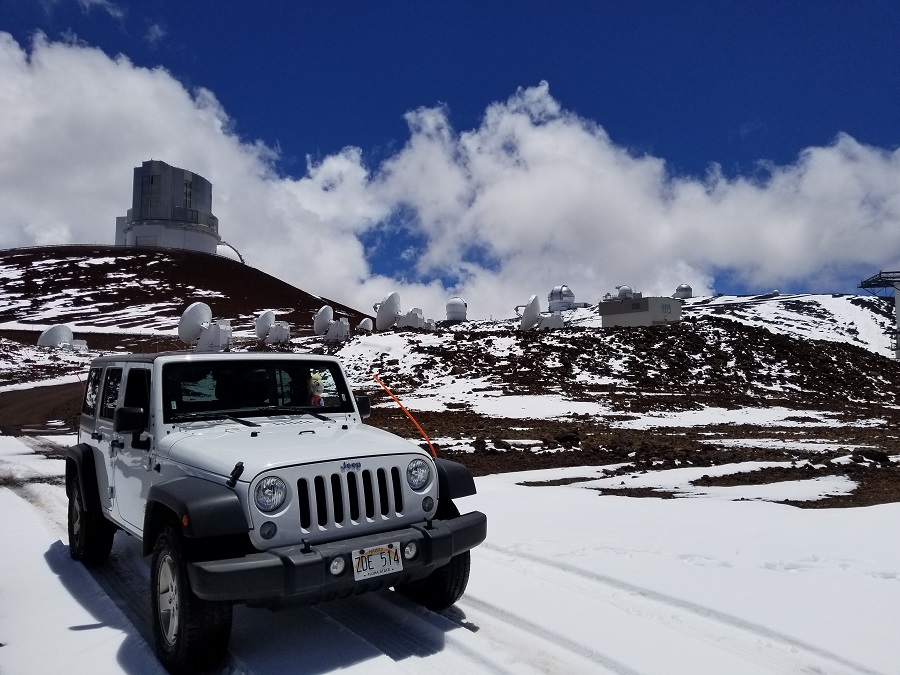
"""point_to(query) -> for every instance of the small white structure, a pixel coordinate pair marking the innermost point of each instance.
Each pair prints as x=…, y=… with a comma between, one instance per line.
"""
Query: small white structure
x=415, y=319
x=197, y=329
x=60, y=337
x=55, y=336
x=683, y=292
x=387, y=315
x=387, y=311
x=562, y=299
x=456, y=309
x=532, y=317
x=631, y=308
x=338, y=331
x=271, y=331
x=331, y=331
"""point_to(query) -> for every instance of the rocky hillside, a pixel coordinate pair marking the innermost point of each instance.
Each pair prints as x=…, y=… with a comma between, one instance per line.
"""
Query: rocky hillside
x=109, y=289
x=809, y=380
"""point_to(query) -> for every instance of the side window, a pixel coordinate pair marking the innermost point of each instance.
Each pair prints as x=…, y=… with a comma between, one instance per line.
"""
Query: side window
x=137, y=391
x=110, y=392
x=91, y=392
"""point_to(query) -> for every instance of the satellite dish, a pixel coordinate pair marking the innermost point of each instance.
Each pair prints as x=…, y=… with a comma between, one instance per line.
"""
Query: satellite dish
x=194, y=319
x=387, y=312
x=365, y=325
x=532, y=314
x=264, y=323
x=55, y=336
x=323, y=319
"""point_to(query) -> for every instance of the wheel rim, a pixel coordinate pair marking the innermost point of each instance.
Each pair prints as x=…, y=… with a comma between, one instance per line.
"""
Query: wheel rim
x=167, y=599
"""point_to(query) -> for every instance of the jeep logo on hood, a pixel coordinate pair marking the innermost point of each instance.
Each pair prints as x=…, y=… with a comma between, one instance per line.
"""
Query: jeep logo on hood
x=351, y=466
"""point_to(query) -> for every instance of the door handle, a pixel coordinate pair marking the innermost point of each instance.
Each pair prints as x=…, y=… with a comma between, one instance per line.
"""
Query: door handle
x=97, y=436
x=117, y=444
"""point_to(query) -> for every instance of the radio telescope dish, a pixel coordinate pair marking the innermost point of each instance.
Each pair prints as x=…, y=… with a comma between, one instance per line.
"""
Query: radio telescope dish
x=387, y=312
x=264, y=323
x=365, y=325
x=532, y=314
x=55, y=336
x=195, y=318
x=323, y=319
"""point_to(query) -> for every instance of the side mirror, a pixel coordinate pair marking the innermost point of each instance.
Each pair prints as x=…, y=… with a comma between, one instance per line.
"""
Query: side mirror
x=364, y=406
x=128, y=420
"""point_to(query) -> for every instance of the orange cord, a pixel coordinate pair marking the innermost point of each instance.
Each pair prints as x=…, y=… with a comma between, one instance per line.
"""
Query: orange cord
x=408, y=414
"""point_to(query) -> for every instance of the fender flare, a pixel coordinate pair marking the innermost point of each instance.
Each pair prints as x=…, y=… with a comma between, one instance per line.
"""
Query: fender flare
x=80, y=464
x=454, y=479
x=202, y=508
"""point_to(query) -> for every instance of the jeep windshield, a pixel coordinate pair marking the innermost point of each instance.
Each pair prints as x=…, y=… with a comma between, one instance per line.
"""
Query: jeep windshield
x=238, y=388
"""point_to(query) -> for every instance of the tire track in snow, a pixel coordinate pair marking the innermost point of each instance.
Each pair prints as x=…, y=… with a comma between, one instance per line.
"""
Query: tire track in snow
x=757, y=631
x=404, y=632
x=544, y=634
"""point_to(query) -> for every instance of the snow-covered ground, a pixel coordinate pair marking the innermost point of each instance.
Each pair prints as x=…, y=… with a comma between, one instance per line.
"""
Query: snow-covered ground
x=718, y=580
x=569, y=581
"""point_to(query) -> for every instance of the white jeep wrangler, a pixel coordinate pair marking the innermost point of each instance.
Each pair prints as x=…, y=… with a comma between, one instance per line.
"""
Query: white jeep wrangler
x=251, y=478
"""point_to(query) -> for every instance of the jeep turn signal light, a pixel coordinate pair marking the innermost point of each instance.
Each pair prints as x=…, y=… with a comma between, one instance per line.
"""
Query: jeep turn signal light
x=184, y=520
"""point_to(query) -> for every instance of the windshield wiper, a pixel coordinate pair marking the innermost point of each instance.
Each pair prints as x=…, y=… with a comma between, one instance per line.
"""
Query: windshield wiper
x=294, y=410
x=212, y=415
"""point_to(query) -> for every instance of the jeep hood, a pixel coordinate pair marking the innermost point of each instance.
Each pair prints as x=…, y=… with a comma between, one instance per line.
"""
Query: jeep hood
x=216, y=446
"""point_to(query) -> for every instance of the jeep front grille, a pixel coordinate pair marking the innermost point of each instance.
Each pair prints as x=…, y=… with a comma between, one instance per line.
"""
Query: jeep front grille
x=349, y=498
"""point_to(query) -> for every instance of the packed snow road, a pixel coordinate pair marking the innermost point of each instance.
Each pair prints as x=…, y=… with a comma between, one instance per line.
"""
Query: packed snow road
x=567, y=582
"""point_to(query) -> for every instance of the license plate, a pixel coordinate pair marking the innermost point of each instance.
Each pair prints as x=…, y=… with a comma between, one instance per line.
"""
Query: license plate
x=377, y=560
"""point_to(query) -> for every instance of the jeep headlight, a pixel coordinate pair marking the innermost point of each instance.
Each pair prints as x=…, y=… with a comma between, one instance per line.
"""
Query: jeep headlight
x=418, y=473
x=270, y=493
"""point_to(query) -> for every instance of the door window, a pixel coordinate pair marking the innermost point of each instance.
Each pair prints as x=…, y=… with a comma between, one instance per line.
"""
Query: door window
x=110, y=392
x=91, y=392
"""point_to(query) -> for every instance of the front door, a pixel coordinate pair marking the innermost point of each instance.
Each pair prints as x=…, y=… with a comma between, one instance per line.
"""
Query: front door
x=103, y=438
x=131, y=460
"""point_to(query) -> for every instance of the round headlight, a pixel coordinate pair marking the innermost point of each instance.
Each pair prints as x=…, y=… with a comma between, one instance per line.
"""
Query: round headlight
x=418, y=473
x=270, y=493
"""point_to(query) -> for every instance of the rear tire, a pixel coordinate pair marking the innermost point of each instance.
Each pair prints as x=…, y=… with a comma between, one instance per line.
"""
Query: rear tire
x=190, y=634
x=90, y=534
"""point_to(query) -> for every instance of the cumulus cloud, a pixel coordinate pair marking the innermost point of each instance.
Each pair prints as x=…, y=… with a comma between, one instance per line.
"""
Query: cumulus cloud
x=533, y=197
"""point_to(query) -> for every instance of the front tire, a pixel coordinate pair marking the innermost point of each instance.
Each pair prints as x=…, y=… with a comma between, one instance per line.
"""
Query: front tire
x=90, y=534
x=445, y=585
x=190, y=634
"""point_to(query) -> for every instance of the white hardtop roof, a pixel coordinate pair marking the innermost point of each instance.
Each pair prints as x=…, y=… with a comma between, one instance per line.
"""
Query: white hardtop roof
x=169, y=357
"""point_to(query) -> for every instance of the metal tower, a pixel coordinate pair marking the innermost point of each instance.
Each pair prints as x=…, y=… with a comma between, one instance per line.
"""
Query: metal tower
x=885, y=280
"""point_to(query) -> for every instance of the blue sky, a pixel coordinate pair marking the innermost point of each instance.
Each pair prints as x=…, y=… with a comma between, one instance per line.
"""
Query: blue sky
x=743, y=102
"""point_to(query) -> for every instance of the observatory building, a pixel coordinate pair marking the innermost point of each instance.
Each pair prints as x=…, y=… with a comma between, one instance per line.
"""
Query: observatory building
x=630, y=308
x=683, y=292
x=170, y=208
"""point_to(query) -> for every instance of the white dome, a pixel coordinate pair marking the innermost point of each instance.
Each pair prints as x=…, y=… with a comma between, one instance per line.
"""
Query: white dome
x=561, y=298
x=683, y=291
x=625, y=292
x=228, y=252
x=456, y=309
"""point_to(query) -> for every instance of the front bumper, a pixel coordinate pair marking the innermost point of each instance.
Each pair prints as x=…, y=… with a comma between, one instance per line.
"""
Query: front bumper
x=300, y=574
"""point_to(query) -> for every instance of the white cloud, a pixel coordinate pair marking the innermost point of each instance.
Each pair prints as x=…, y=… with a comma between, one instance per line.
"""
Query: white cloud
x=110, y=8
x=155, y=33
x=533, y=197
